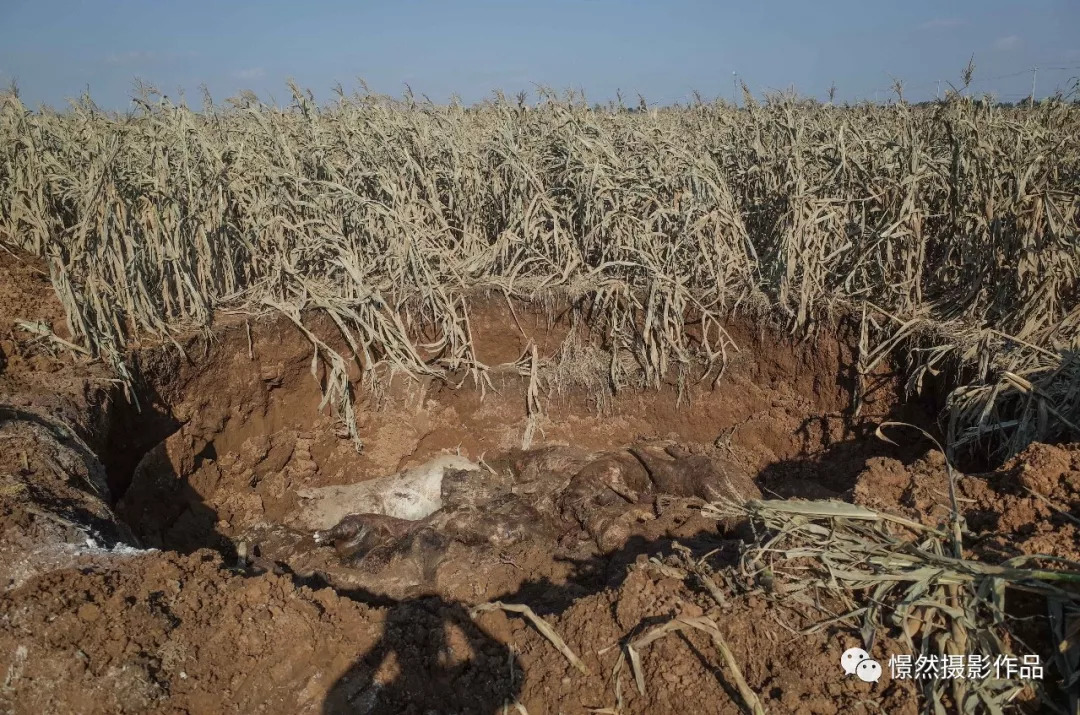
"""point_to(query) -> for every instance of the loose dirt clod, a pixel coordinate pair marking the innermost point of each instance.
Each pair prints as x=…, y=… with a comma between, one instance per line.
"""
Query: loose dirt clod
x=633, y=650
x=541, y=625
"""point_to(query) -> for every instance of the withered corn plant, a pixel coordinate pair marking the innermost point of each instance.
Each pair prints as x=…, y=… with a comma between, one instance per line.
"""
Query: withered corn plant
x=952, y=229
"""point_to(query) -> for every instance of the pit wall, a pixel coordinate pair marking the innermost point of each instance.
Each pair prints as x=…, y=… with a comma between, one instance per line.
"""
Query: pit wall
x=240, y=412
x=244, y=394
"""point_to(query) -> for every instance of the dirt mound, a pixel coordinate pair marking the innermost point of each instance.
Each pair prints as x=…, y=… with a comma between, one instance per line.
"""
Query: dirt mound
x=683, y=672
x=1029, y=506
x=26, y=295
x=55, y=501
x=161, y=632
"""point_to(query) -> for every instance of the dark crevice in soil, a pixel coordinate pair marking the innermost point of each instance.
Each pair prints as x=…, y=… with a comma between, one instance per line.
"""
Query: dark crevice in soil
x=134, y=428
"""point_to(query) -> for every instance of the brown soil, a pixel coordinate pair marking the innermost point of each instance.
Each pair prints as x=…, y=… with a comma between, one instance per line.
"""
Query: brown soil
x=151, y=560
x=1028, y=506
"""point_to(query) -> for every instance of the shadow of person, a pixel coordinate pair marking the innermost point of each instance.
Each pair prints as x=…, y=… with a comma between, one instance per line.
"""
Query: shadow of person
x=431, y=657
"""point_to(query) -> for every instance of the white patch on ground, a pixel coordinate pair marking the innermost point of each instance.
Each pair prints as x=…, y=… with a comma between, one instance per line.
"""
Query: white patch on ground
x=411, y=494
x=92, y=547
x=62, y=555
x=14, y=671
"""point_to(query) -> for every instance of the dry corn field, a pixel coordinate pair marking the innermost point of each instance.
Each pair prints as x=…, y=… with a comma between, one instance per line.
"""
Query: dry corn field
x=952, y=229
x=205, y=263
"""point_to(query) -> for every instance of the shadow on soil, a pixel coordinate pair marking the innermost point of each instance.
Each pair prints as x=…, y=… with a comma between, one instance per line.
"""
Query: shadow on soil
x=162, y=508
x=166, y=512
x=160, y=505
x=424, y=666
x=431, y=657
x=831, y=469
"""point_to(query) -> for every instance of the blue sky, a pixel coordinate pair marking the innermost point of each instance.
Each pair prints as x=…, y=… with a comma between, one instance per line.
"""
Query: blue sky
x=56, y=49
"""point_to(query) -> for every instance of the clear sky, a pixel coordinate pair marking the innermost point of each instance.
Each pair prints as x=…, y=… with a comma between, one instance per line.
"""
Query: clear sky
x=57, y=48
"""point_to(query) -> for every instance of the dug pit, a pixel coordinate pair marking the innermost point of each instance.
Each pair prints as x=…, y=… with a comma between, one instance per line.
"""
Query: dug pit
x=444, y=498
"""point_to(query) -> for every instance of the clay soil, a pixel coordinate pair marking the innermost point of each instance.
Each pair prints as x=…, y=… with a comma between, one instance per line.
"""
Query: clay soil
x=151, y=559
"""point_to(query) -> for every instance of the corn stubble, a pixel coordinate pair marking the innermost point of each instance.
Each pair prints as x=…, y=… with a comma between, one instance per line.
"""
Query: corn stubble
x=850, y=564
x=951, y=229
